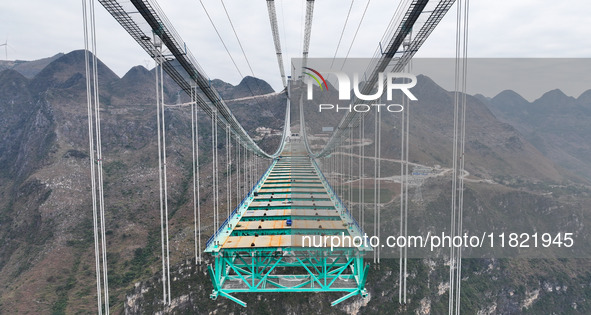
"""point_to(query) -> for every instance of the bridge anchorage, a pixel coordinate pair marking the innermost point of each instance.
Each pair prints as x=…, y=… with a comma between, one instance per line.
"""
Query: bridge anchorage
x=279, y=238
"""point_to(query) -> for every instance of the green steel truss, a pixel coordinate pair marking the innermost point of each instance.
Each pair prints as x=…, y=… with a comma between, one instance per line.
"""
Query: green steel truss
x=289, y=190
x=285, y=270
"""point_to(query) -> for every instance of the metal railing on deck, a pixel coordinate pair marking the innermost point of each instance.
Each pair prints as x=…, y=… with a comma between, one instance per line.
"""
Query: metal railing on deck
x=333, y=193
x=235, y=211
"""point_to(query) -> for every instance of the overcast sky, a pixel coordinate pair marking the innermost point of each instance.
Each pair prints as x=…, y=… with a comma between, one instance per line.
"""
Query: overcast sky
x=502, y=28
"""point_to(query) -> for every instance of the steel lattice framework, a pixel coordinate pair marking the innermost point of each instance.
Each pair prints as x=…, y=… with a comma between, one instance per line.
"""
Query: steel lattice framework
x=180, y=65
x=386, y=58
x=262, y=247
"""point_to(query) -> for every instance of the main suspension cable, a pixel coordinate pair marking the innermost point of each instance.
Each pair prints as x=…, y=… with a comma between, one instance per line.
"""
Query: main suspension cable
x=342, y=33
x=355, y=36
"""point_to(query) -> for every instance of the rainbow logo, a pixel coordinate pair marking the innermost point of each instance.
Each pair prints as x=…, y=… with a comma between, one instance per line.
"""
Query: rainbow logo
x=316, y=78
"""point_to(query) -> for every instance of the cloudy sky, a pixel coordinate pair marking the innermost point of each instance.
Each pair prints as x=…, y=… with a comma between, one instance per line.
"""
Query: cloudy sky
x=502, y=28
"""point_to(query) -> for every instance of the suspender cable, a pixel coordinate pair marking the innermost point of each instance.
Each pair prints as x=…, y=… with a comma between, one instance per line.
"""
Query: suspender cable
x=462, y=156
x=99, y=153
x=196, y=197
x=165, y=181
x=375, y=184
x=452, y=265
x=229, y=175
x=339, y=174
x=216, y=173
x=401, y=201
x=247, y=164
x=343, y=161
x=459, y=152
x=406, y=159
x=238, y=169
x=162, y=179
x=351, y=169
x=359, y=173
x=379, y=175
x=340, y=178
x=228, y=171
x=194, y=171
x=95, y=156
x=160, y=184
x=239, y=178
x=404, y=184
x=362, y=199
x=252, y=167
x=213, y=187
x=402, y=136
x=334, y=167
x=245, y=173
x=237, y=161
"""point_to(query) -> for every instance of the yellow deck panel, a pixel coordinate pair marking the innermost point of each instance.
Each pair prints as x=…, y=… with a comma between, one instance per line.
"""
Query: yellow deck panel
x=313, y=224
x=259, y=241
x=288, y=212
x=312, y=212
x=265, y=225
x=268, y=213
x=293, y=177
x=290, y=195
x=287, y=177
x=296, y=224
x=277, y=190
x=281, y=203
x=286, y=241
x=275, y=196
x=287, y=171
x=325, y=241
x=295, y=203
x=290, y=180
x=293, y=184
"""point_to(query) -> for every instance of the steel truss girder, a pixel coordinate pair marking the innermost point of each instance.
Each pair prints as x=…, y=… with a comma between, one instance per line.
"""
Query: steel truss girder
x=351, y=120
x=288, y=270
x=183, y=68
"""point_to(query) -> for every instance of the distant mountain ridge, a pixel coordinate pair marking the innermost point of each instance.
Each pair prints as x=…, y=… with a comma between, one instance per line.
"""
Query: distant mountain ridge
x=46, y=239
x=556, y=124
x=44, y=181
x=29, y=69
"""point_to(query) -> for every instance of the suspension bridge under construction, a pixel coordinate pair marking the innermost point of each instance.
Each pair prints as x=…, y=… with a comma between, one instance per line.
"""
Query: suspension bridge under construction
x=276, y=238
x=281, y=225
